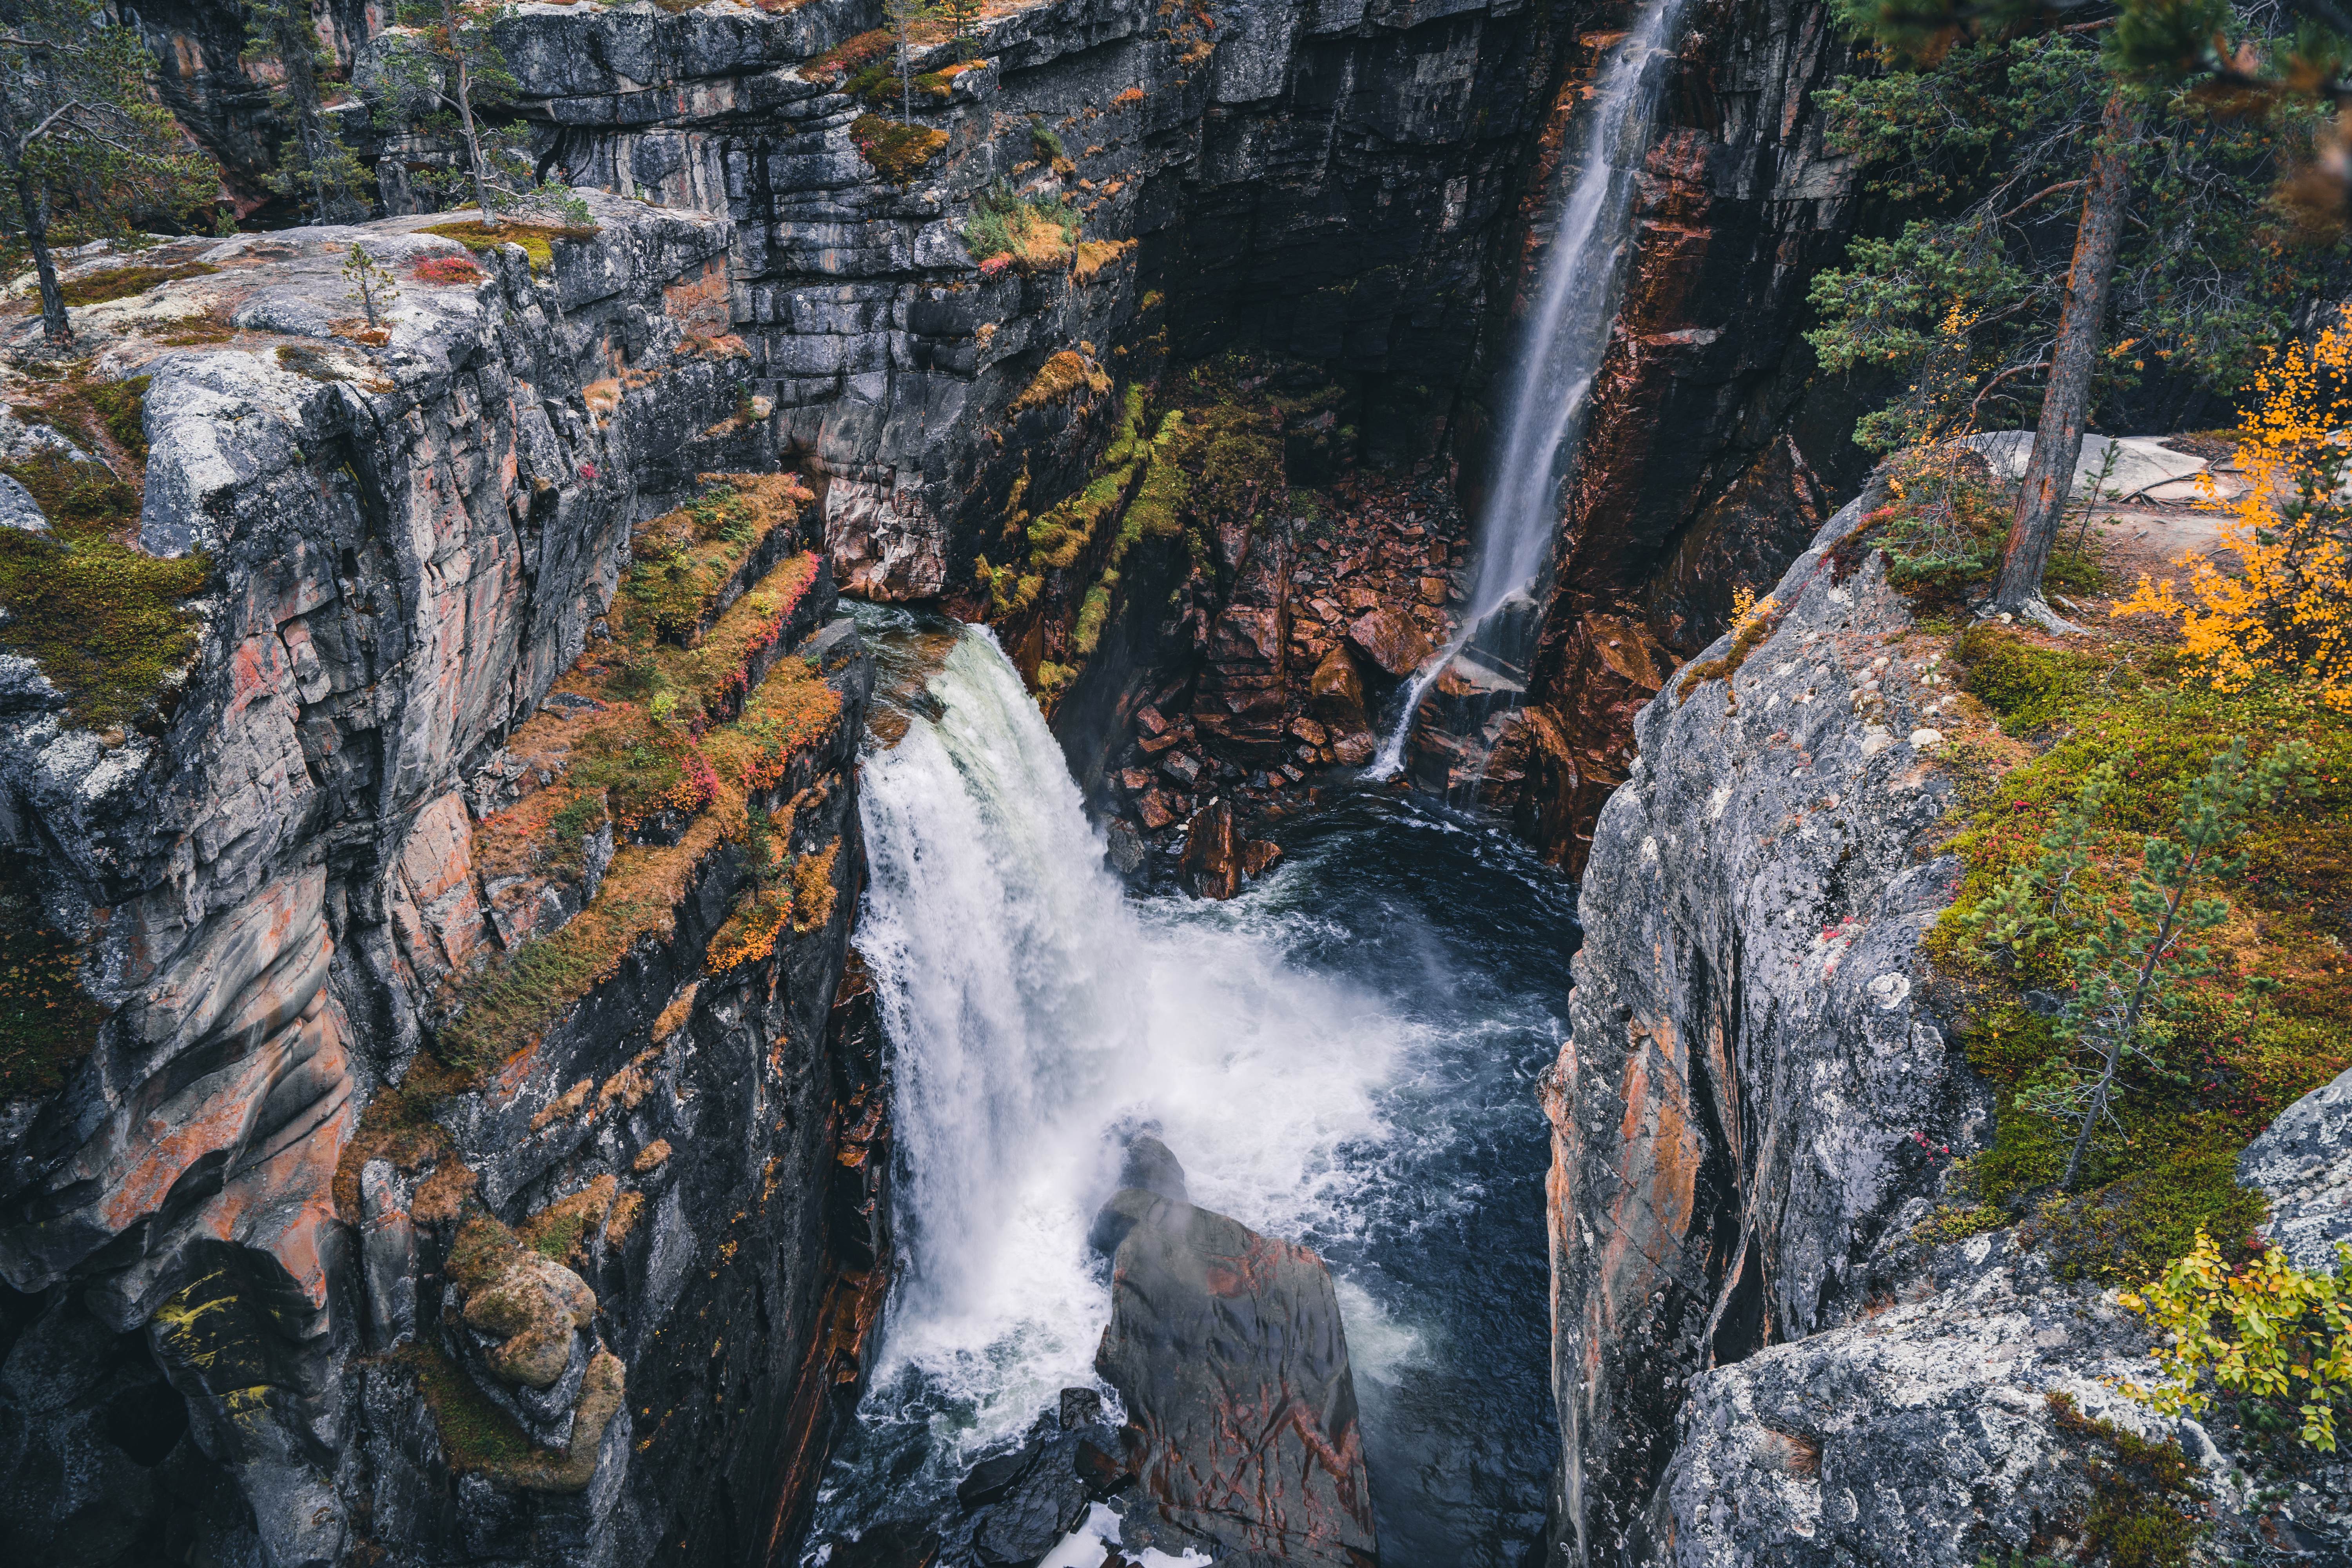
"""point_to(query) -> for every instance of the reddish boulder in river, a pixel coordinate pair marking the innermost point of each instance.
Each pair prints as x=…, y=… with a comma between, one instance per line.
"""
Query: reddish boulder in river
x=1217, y=858
x=1336, y=693
x=1228, y=1350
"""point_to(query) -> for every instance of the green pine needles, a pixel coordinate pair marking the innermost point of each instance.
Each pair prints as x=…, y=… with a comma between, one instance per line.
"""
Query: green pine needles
x=2128, y=955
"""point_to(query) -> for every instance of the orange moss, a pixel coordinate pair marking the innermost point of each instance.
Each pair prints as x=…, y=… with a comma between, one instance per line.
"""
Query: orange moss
x=1058, y=377
x=813, y=890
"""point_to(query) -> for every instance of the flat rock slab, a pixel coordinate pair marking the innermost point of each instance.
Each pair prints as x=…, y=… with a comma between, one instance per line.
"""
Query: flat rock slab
x=1228, y=1349
x=2143, y=464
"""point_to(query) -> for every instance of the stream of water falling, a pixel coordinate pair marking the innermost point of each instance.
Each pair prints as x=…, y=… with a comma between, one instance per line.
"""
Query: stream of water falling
x=1559, y=353
x=1346, y=1055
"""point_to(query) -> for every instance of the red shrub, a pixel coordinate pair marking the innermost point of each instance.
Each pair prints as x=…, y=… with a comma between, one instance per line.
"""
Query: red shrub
x=446, y=269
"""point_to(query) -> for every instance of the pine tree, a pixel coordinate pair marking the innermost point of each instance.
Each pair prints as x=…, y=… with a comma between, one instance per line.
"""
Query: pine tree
x=371, y=287
x=2076, y=226
x=87, y=150
x=454, y=64
x=316, y=167
x=963, y=22
x=904, y=17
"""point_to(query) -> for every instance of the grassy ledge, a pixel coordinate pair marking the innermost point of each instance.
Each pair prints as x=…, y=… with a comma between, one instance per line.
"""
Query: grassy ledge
x=665, y=733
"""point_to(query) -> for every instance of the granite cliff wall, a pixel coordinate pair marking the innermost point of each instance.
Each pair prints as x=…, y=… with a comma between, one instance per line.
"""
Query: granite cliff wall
x=423, y=1154
x=1759, y=1354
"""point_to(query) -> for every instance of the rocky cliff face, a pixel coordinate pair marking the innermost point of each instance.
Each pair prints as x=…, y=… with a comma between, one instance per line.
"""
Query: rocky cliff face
x=428, y=1149
x=1344, y=187
x=1709, y=456
x=1757, y=1356
x=1735, y=1123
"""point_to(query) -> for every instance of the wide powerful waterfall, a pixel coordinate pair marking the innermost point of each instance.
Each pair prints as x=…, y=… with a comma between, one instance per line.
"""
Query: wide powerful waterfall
x=1344, y=1056
x=1559, y=353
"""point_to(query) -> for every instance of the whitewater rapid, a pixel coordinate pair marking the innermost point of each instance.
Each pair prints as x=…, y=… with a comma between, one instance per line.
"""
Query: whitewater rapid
x=1039, y=1017
x=1345, y=1056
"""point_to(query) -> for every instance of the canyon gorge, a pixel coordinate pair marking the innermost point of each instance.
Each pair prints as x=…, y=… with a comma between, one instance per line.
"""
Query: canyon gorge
x=749, y=913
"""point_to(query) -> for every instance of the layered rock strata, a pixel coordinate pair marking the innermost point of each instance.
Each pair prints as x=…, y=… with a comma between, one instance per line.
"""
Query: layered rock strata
x=433, y=1186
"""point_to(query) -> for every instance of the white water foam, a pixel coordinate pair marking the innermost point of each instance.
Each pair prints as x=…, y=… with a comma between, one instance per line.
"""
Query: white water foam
x=1036, y=1016
x=1560, y=349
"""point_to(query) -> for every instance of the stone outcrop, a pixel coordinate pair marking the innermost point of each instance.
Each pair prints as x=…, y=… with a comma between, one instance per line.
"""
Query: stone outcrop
x=1226, y=1347
x=1738, y=1120
x=1757, y=1357
x=286, y=882
x=1984, y=1416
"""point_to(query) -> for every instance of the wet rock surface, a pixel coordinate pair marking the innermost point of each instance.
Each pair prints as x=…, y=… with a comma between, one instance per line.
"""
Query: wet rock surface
x=1227, y=1350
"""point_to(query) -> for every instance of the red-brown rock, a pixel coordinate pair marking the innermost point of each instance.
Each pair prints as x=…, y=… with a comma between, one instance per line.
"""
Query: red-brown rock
x=1391, y=640
x=1212, y=867
x=1336, y=693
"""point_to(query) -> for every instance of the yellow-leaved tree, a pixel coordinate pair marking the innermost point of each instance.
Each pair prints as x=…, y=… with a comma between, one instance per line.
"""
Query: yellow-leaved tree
x=2287, y=608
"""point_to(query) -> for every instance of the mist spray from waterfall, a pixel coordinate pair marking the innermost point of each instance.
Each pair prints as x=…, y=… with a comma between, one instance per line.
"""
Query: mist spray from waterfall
x=1560, y=354
x=1036, y=1016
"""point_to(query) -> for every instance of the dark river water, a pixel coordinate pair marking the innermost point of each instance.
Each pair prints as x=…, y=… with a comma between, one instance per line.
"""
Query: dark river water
x=1346, y=1055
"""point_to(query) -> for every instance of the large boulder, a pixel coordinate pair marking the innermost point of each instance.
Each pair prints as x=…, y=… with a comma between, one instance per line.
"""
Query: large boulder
x=2304, y=1162
x=1228, y=1350
x=1391, y=639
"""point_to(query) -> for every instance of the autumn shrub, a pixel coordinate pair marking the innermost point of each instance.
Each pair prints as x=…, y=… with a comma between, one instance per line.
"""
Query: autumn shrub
x=537, y=240
x=2265, y=1329
x=445, y=269
x=2283, y=608
x=1034, y=232
x=896, y=150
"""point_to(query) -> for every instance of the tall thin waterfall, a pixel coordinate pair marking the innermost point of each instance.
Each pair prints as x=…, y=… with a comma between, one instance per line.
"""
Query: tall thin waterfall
x=1565, y=337
x=1035, y=1014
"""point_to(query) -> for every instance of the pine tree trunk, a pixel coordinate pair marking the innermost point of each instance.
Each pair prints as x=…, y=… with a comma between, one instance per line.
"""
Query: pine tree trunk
x=466, y=114
x=34, y=207
x=2066, y=406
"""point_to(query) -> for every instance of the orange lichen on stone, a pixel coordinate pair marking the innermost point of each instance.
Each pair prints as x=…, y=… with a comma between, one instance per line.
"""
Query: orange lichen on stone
x=672, y=1017
x=652, y=1157
x=565, y=1106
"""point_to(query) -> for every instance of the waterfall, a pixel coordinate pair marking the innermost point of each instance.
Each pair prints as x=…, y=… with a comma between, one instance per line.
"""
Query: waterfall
x=1035, y=1014
x=1560, y=351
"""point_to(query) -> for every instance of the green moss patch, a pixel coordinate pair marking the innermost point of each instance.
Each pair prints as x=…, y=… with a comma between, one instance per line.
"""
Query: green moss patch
x=47, y=1022
x=477, y=1436
x=896, y=152
x=2146, y=1507
x=2222, y=1056
x=122, y=282
x=537, y=240
x=2027, y=685
x=107, y=622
